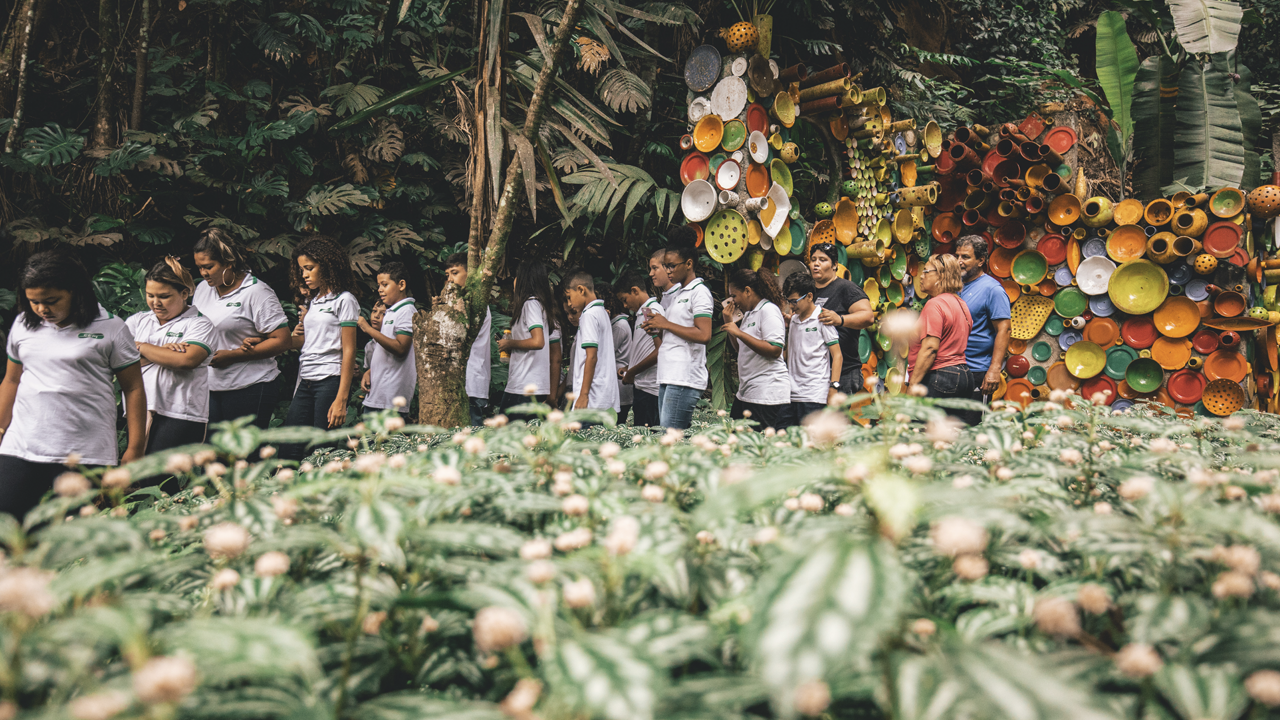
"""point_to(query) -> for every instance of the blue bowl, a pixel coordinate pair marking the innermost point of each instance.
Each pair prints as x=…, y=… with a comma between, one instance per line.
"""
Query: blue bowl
x=1069, y=337
x=1101, y=306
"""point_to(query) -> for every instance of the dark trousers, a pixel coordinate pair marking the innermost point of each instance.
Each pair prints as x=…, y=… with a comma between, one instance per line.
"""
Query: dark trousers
x=258, y=400
x=802, y=410
x=509, y=401
x=949, y=382
x=479, y=408
x=23, y=483
x=167, y=432
x=973, y=417
x=310, y=408
x=623, y=411
x=774, y=416
x=366, y=410
x=851, y=380
x=645, y=409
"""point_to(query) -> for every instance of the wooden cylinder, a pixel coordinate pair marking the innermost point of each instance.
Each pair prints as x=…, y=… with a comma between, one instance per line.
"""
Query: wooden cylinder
x=835, y=87
x=820, y=105
x=795, y=73
x=834, y=72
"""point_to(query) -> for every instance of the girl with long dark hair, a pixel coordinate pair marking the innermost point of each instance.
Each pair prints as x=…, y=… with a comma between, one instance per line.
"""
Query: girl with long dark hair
x=531, y=328
x=175, y=341
x=57, y=400
x=754, y=318
x=250, y=329
x=328, y=341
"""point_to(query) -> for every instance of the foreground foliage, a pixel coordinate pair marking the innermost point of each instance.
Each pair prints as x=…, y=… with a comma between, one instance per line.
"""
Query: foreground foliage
x=1053, y=563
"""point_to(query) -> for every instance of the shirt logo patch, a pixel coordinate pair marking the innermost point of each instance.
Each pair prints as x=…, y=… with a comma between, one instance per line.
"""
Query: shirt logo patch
x=173, y=334
x=327, y=311
x=233, y=304
x=92, y=336
x=811, y=329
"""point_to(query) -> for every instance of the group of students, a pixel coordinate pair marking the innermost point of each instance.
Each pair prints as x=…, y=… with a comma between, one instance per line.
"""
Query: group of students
x=201, y=353
x=796, y=346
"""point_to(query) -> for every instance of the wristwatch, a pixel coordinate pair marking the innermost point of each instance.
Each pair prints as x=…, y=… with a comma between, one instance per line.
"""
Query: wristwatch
x=835, y=386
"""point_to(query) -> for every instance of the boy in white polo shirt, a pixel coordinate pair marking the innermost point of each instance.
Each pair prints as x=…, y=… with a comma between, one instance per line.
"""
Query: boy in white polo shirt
x=595, y=376
x=480, y=361
x=813, y=351
x=641, y=370
x=392, y=373
x=686, y=329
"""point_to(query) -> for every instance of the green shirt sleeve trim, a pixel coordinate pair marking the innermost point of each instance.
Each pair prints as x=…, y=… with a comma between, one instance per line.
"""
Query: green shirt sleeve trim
x=587, y=345
x=532, y=327
x=833, y=342
x=701, y=315
x=774, y=343
x=199, y=345
x=404, y=332
x=14, y=360
x=284, y=324
x=555, y=340
x=126, y=366
x=346, y=324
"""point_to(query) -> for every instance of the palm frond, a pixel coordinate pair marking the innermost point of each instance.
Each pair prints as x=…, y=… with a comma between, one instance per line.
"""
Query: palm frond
x=125, y=157
x=624, y=91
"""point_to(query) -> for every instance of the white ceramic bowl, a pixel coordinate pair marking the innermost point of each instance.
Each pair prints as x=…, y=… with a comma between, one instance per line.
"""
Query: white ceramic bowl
x=728, y=175
x=698, y=200
x=758, y=146
x=782, y=206
x=1093, y=275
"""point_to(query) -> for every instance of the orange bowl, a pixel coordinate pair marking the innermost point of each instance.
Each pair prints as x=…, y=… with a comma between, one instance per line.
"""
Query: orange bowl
x=1226, y=365
x=1128, y=212
x=1229, y=304
x=1177, y=317
x=1171, y=354
x=1128, y=242
x=1103, y=331
x=1064, y=210
x=1001, y=262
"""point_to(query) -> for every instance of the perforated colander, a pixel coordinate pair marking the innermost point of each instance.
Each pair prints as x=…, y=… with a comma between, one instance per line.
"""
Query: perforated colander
x=1028, y=315
x=1223, y=397
x=726, y=236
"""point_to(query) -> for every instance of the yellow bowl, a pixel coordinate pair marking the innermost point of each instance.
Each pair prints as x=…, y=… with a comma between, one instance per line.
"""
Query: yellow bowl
x=1138, y=287
x=708, y=132
x=1085, y=359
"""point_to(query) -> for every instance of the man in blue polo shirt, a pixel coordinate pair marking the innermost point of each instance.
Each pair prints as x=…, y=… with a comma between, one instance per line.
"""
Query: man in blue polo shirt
x=989, y=305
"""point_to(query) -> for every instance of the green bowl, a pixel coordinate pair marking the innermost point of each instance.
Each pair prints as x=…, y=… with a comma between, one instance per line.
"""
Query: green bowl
x=1138, y=287
x=1118, y=360
x=1144, y=375
x=1037, y=375
x=781, y=174
x=1029, y=267
x=1041, y=351
x=864, y=346
x=1070, y=302
x=1053, y=325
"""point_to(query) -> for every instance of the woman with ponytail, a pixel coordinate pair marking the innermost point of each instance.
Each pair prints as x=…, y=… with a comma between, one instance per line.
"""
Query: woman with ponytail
x=754, y=318
x=250, y=329
x=936, y=358
x=175, y=342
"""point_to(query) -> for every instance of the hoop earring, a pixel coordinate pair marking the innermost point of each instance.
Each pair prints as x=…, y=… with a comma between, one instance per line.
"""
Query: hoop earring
x=224, y=276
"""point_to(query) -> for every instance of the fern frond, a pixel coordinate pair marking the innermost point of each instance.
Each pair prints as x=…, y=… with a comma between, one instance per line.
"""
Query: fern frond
x=355, y=169
x=624, y=91
x=296, y=104
x=275, y=44
x=593, y=55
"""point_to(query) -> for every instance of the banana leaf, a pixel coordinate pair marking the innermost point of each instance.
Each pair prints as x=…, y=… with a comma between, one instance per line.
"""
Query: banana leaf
x=1206, y=26
x=1117, y=67
x=1208, y=138
x=1251, y=125
x=1155, y=92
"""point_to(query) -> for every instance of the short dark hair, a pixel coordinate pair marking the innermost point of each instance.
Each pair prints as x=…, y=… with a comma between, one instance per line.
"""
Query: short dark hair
x=458, y=259
x=170, y=272
x=62, y=270
x=397, y=271
x=828, y=249
x=629, y=281
x=219, y=245
x=662, y=251
x=685, y=251
x=800, y=283
x=579, y=277
x=978, y=243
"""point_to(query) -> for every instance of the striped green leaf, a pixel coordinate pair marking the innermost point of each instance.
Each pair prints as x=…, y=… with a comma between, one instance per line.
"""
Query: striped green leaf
x=1155, y=92
x=1209, y=139
x=1117, y=67
x=1204, y=693
x=1206, y=26
x=601, y=676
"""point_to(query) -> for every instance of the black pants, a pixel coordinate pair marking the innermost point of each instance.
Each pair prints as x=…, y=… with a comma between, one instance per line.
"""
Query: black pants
x=167, y=432
x=258, y=400
x=973, y=417
x=644, y=409
x=509, y=401
x=949, y=382
x=623, y=411
x=851, y=379
x=366, y=410
x=310, y=408
x=802, y=410
x=774, y=416
x=479, y=409
x=23, y=483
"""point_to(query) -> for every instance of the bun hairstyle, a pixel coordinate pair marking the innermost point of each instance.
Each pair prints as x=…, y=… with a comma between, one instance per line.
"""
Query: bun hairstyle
x=61, y=270
x=170, y=272
x=219, y=245
x=762, y=283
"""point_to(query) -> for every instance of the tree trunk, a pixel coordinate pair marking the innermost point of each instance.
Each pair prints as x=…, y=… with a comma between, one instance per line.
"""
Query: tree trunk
x=440, y=353
x=103, y=133
x=28, y=23
x=140, y=66
x=443, y=334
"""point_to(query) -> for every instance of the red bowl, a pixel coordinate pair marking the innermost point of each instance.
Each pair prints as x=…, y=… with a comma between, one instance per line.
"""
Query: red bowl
x=1017, y=366
x=1204, y=341
x=1100, y=383
x=1054, y=248
x=1186, y=386
x=1139, y=332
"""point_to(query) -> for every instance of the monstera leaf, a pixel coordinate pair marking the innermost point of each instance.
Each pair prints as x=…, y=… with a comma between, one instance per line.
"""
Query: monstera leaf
x=1155, y=93
x=1208, y=139
x=1206, y=26
x=1117, y=69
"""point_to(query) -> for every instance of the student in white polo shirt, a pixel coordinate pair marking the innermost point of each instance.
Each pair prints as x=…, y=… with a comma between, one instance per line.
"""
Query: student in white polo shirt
x=813, y=351
x=175, y=342
x=641, y=369
x=686, y=329
x=753, y=317
x=529, y=346
x=621, y=326
x=392, y=373
x=328, y=344
x=57, y=399
x=658, y=274
x=595, y=373
x=480, y=361
x=250, y=330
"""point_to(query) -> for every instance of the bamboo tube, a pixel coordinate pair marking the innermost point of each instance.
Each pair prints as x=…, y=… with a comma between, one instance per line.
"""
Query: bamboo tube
x=832, y=73
x=852, y=98
x=876, y=96
x=795, y=73
x=903, y=125
x=820, y=105
x=835, y=87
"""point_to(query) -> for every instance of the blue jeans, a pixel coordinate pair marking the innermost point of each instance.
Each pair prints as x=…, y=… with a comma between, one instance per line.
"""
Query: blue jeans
x=310, y=408
x=676, y=404
x=258, y=400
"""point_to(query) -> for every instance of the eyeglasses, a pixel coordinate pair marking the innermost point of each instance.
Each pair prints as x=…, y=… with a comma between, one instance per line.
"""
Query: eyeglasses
x=927, y=271
x=793, y=299
x=670, y=266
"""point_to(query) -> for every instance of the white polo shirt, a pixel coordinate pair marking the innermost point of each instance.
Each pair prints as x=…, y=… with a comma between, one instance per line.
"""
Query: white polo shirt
x=596, y=331
x=530, y=367
x=681, y=362
x=479, y=363
x=622, y=356
x=390, y=376
x=809, y=357
x=761, y=380
x=642, y=345
x=321, y=355
x=174, y=393
x=668, y=294
x=66, y=402
x=251, y=310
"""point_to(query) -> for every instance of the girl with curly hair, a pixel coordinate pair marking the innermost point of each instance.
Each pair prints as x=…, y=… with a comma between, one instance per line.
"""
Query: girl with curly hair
x=327, y=338
x=250, y=330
